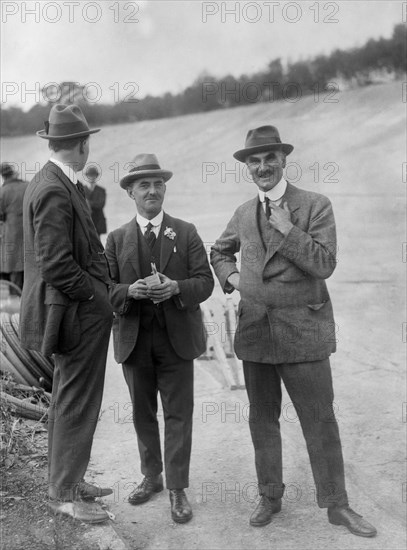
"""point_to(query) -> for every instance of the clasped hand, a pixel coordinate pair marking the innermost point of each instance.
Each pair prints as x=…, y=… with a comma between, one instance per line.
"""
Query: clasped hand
x=158, y=293
x=280, y=218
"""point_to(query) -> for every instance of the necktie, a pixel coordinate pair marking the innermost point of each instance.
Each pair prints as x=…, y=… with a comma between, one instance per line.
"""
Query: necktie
x=268, y=209
x=149, y=235
x=81, y=189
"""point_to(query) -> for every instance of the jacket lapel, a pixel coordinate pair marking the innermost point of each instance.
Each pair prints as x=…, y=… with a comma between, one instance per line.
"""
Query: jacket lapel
x=291, y=198
x=76, y=201
x=131, y=247
x=167, y=244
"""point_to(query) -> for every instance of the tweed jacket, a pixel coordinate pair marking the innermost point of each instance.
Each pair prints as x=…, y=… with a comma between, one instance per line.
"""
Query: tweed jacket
x=285, y=313
x=57, y=253
x=183, y=259
x=11, y=214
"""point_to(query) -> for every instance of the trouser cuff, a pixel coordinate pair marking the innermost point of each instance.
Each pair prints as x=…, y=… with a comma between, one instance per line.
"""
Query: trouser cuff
x=271, y=490
x=329, y=501
x=66, y=493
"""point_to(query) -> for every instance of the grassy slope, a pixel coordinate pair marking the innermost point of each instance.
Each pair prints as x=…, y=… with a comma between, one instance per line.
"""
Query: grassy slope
x=363, y=133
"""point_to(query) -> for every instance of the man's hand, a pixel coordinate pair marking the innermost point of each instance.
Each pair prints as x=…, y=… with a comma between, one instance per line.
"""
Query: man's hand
x=138, y=290
x=234, y=280
x=164, y=291
x=280, y=218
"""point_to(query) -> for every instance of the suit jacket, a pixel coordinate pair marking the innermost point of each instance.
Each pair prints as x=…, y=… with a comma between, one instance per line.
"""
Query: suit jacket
x=285, y=313
x=183, y=259
x=57, y=253
x=11, y=214
x=96, y=200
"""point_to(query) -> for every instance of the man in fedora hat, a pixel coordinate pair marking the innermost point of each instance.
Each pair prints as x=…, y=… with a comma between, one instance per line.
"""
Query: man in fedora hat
x=96, y=197
x=11, y=223
x=286, y=331
x=65, y=308
x=158, y=329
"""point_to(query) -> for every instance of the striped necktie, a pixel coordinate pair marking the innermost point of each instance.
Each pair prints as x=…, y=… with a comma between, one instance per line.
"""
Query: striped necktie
x=268, y=209
x=149, y=235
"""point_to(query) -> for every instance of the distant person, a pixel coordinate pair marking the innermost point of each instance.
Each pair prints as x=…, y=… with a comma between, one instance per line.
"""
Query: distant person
x=65, y=309
x=11, y=219
x=96, y=197
x=286, y=332
x=159, y=330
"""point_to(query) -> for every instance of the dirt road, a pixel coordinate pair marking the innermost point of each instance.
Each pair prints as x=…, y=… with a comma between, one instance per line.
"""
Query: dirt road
x=223, y=483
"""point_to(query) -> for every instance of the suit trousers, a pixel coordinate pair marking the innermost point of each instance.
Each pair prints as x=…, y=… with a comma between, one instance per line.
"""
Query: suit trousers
x=309, y=386
x=152, y=367
x=77, y=395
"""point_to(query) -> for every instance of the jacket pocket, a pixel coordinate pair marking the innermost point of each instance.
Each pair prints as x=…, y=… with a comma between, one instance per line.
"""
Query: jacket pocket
x=62, y=328
x=316, y=307
x=55, y=296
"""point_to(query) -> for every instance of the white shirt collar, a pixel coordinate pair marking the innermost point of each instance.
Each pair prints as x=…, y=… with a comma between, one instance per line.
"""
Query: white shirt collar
x=66, y=169
x=276, y=193
x=155, y=222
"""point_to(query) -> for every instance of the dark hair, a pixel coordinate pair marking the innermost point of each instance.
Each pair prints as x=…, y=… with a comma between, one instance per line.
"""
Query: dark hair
x=65, y=144
x=7, y=170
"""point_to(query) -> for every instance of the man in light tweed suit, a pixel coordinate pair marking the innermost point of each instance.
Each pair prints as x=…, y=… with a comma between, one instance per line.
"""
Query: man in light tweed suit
x=286, y=331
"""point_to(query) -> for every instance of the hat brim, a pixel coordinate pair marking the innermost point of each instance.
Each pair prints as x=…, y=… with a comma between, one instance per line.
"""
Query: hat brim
x=42, y=134
x=133, y=176
x=242, y=154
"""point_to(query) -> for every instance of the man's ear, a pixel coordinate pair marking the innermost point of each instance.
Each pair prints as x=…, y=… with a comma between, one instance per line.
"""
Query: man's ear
x=129, y=192
x=82, y=144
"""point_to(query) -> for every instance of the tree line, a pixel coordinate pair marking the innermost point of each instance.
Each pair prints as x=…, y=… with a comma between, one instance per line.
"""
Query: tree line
x=359, y=66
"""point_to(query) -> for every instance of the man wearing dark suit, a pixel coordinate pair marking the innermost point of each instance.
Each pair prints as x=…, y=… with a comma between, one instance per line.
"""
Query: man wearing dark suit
x=65, y=309
x=158, y=330
x=11, y=221
x=286, y=330
x=96, y=197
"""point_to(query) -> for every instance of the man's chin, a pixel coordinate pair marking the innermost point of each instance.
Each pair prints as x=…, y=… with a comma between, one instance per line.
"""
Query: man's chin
x=266, y=184
x=153, y=209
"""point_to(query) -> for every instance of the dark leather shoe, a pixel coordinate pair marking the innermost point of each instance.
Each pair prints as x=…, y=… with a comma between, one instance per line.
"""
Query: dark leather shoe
x=145, y=490
x=87, y=491
x=88, y=512
x=181, y=511
x=264, y=511
x=343, y=515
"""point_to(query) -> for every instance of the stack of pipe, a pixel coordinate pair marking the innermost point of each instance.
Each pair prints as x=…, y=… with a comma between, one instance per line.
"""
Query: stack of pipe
x=26, y=367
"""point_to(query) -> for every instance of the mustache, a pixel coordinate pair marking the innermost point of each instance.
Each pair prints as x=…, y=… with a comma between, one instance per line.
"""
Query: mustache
x=265, y=173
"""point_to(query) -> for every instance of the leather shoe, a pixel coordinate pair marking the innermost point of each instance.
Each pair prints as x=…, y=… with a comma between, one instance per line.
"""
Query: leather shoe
x=181, y=511
x=79, y=510
x=343, y=515
x=87, y=491
x=264, y=511
x=145, y=489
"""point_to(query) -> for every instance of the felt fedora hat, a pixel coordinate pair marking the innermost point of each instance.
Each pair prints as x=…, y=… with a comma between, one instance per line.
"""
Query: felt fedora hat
x=66, y=122
x=144, y=165
x=92, y=171
x=261, y=139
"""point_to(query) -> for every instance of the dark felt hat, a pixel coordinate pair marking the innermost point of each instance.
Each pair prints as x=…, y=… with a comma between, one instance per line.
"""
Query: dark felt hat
x=92, y=170
x=66, y=122
x=265, y=138
x=144, y=165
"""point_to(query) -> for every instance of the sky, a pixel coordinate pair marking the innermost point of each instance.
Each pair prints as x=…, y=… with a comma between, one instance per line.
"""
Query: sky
x=151, y=47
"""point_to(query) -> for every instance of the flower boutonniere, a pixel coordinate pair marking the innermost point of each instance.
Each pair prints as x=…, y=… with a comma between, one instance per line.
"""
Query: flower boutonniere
x=170, y=233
